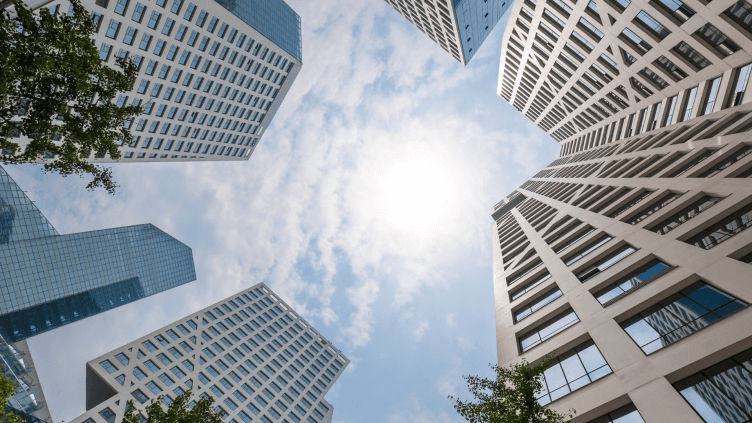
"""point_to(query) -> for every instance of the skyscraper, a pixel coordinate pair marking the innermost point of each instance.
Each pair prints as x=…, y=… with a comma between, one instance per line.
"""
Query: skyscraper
x=627, y=257
x=596, y=72
x=458, y=26
x=251, y=352
x=48, y=280
x=212, y=74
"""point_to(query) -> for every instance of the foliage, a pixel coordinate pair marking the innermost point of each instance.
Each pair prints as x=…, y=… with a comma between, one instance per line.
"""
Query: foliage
x=7, y=389
x=510, y=398
x=52, y=78
x=179, y=411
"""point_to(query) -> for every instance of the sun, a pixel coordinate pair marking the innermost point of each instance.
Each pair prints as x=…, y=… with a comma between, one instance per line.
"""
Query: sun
x=417, y=192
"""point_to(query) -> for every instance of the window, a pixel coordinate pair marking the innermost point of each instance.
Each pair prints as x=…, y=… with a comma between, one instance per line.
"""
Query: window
x=108, y=366
x=104, y=52
x=626, y=414
x=149, y=346
x=721, y=393
x=537, y=304
x=679, y=315
x=572, y=370
x=123, y=359
x=151, y=366
x=712, y=95
x=740, y=85
x=153, y=387
x=548, y=329
x=139, y=396
x=685, y=214
x=154, y=20
x=717, y=39
x=130, y=34
x=691, y=55
x=145, y=41
x=604, y=263
x=121, y=6
x=724, y=229
x=587, y=250
x=139, y=373
x=689, y=103
x=166, y=379
x=138, y=12
x=176, y=4
x=634, y=280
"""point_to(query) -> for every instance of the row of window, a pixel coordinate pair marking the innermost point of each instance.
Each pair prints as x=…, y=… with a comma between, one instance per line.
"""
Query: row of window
x=651, y=118
x=263, y=309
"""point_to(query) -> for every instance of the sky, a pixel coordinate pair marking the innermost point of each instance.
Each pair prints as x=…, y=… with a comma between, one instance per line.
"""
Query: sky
x=366, y=207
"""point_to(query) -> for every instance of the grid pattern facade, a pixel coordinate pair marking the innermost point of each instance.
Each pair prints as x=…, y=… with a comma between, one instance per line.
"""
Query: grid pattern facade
x=597, y=71
x=252, y=353
x=436, y=18
x=209, y=82
x=274, y=19
x=640, y=247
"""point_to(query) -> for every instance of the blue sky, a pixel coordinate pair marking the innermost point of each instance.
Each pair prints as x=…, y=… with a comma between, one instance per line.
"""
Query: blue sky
x=366, y=207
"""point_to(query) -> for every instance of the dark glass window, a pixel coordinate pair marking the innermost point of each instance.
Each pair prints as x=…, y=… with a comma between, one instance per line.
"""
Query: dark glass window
x=721, y=393
x=629, y=283
x=626, y=414
x=723, y=230
x=679, y=315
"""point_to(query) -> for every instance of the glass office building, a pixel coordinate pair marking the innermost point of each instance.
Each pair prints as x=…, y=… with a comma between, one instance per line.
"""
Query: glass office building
x=274, y=19
x=48, y=280
x=476, y=19
x=459, y=26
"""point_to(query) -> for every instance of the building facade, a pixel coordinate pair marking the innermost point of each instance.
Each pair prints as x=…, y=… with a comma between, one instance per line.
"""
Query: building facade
x=594, y=72
x=630, y=262
x=458, y=26
x=212, y=74
x=48, y=280
x=251, y=352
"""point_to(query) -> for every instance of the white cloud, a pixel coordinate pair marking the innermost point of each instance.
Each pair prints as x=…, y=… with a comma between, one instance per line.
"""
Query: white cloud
x=420, y=330
x=450, y=319
x=369, y=168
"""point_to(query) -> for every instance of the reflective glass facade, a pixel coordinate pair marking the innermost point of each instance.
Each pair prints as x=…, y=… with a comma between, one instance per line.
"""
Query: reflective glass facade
x=48, y=280
x=721, y=393
x=274, y=19
x=475, y=20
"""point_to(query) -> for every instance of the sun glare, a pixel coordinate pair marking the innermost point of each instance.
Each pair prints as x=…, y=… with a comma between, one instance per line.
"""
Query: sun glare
x=417, y=192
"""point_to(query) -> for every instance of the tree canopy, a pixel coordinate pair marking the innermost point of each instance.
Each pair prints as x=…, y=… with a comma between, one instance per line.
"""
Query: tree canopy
x=57, y=90
x=7, y=389
x=510, y=397
x=181, y=410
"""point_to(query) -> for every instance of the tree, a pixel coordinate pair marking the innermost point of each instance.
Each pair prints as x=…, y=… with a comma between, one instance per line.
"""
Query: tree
x=57, y=91
x=510, y=398
x=179, y=411
x=7, y=389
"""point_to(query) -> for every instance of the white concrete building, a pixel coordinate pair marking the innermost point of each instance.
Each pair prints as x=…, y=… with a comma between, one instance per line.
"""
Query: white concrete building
x=251, y=352
x=212, y=74
x=593, y=72
x=630, y=262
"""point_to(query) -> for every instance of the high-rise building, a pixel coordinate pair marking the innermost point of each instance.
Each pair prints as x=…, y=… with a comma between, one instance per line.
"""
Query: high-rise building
x=627, y=257
x=600, y=71
x=251, y=352
x=458, y=26
x=630, y=262
x=212, y=74
x=48, y=280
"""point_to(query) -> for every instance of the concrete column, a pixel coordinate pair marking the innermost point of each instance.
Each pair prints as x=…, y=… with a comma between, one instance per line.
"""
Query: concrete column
x=671, y=408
